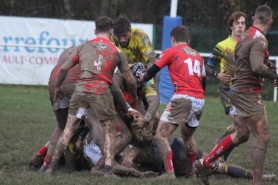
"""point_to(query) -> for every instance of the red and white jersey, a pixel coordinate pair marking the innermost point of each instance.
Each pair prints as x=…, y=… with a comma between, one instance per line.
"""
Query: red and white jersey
x=252, y=43
x=73, y=74
x=97, y=59
x=186, y=68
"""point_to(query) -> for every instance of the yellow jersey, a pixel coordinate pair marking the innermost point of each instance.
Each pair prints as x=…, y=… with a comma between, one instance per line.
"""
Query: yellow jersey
x=139, y=48
x=223, y=55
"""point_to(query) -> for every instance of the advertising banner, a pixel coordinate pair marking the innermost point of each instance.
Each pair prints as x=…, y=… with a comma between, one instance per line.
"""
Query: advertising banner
x=30, y=47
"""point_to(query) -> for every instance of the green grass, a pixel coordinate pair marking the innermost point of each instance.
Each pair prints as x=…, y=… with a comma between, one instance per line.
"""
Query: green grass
x=27, y=120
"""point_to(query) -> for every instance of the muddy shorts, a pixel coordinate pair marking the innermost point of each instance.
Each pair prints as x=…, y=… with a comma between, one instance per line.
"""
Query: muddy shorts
x=68, y=90
x=245, y=105
x=225, y=99
x=102, y=105
x=183, y=109
x=61, y=107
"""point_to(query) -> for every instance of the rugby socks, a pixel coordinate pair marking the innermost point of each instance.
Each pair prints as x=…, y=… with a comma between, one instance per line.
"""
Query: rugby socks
x=191, y=159
x=169, y=162
x=42, y=151
x=47, y=161
x=107, y=169
x=224, y=145
x=237, y=171
x=165, y=153
x=227, y=153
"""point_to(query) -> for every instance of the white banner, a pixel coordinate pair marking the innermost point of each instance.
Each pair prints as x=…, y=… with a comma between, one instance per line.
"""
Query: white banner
x=30, y=47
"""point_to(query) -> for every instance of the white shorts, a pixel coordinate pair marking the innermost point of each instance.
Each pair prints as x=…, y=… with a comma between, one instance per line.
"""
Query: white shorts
x=92, y=151
x=183, y=109
x=62, y=104
x=233, y=110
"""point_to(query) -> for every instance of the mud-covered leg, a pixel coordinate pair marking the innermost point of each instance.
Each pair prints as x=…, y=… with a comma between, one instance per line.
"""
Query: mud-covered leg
x=108, y=128
x=190, y=148
x=123, y=135
x=61, y=117
x=164, y=131
x=259, y=128
x=129, y=155
x=71, y=126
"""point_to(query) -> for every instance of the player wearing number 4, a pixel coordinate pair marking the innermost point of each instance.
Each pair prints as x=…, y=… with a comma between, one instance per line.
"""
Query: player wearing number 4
x=187, y=72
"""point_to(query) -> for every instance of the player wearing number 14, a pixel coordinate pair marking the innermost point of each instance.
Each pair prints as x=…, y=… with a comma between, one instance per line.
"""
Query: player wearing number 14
x=187, y=72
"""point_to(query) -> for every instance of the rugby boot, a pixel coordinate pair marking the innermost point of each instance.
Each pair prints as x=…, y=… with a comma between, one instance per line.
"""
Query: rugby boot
x=150, y=174
x=98, y=169
x=51, y=169
x=97, y=172
x=167, y=175
x=124, y=171
x=108, y=173
x=203, y=172
x=43, y=168
x=36, y=160
x=270, y=177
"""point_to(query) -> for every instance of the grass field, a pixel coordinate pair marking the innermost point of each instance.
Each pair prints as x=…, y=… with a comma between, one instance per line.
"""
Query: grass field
x=27, y=120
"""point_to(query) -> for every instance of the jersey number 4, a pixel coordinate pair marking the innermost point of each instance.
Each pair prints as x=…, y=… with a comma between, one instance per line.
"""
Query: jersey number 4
x=193, y=69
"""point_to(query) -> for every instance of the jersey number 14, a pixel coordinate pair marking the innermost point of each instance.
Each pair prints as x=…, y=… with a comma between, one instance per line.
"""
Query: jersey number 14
x=193, y=69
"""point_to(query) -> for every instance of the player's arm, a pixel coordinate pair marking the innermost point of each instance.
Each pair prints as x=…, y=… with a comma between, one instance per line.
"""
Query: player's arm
x=257, y=57
x=153, y=102
x=147, y=51
x=213, y=61
x=70, y=62
x=151, y=97
x=127, y=75
x=118, y=96
x=150, y=73
x=204, y=83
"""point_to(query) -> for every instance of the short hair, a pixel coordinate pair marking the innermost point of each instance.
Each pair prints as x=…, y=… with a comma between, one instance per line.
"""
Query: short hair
x=263, y=14
x=234, y=17
x=180, y=33
x=104, y=24
x=122, y=25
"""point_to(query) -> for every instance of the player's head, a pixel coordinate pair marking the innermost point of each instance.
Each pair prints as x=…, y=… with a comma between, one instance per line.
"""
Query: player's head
x=122, y=30
x=237, y=23
x=137, y=69
x=263, y=15
x=104, y=24
x=180, y=34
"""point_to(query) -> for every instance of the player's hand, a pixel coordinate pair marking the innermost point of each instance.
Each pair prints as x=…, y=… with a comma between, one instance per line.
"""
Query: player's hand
x=78, y=143
x=224, y=77
x=271, y=65
x=139, y=123
x=58, y=94
x=134, y=113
